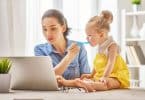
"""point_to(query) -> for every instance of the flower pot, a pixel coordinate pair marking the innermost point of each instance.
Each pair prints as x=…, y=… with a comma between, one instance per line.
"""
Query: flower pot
x=135, y=7
x=134, y=32
x=142, y=31
x=5, y=82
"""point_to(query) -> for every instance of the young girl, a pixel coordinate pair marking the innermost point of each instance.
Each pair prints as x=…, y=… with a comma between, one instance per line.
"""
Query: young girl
x=110, y=71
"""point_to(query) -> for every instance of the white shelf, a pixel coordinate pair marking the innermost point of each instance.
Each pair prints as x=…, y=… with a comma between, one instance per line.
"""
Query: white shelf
x=134, y=39
x=135, y=13
x=137, y=70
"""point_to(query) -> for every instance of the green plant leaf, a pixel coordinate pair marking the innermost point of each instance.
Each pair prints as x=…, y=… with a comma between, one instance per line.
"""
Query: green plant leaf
x=5, y=65
x=9, y=66
x=0, y=67
x=137, y=2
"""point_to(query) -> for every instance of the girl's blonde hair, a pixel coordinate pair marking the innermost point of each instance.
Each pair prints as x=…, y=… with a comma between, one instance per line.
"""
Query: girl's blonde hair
x=102, y=22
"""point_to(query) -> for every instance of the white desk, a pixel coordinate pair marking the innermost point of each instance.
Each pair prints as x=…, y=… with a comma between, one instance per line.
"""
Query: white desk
x=120, y=94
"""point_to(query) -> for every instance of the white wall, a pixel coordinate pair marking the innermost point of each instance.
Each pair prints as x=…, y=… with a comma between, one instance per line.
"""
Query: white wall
x=4, y=33
x=111, y=5
x=12, y=27
x=19, y=26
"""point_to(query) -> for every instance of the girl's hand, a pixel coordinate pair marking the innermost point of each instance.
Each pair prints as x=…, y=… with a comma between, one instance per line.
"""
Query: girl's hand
x=73, y=50
x=88, y=76
x=103, y=80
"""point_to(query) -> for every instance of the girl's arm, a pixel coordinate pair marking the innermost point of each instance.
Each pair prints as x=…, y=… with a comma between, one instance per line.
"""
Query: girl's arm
x=93, y=72
x=112, y=53
x=88, y=75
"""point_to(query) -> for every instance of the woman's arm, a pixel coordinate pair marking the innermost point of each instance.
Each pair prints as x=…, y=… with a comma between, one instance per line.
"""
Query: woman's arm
x=41, y=50
x=62, y=66
x=83, y=61
x=112, y=53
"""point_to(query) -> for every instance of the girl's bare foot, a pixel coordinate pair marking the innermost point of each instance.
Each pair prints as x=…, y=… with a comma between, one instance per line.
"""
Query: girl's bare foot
x=86, y=85
x=89, y=85
x=71, y=83
x=80, y=83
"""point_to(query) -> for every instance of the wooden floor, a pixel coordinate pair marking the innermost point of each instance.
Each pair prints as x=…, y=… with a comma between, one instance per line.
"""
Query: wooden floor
x=75, y=94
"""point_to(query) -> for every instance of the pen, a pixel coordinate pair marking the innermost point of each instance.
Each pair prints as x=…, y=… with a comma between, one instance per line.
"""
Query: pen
x=82, y=43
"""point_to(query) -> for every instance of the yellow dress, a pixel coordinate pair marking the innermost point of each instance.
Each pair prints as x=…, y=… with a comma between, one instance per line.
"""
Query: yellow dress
x=120, y=70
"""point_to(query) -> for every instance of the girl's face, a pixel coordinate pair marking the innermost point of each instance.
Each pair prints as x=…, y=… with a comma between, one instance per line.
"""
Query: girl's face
x=93, y=36
x=52, y=29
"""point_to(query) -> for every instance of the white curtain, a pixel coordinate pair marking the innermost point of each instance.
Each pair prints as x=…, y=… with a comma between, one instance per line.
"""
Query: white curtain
x=78, y=12
x=20, y=26
x=12, y=27
x=4, y=29
x=34, y=12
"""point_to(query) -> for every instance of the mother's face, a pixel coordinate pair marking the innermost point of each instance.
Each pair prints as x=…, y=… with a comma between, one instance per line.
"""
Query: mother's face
x=52, y=29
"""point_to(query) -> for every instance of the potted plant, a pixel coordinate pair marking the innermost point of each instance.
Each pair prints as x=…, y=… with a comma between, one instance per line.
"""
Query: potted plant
x=136, y=4
x=5, y=77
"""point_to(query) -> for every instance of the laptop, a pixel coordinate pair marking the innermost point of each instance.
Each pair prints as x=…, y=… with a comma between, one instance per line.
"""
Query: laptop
x=33, y=73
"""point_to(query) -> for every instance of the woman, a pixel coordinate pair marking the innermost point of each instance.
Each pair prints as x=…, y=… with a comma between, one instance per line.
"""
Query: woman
x=69, y=59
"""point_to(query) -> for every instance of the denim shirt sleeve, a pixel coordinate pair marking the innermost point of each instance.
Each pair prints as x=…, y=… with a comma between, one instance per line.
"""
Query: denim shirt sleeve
x=41, y=50
x=38, y=51
x=84, y=66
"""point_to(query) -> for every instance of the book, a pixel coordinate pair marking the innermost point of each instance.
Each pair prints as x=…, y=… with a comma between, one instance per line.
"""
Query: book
x=136, y=59
x=140, y=54
x=130, y=56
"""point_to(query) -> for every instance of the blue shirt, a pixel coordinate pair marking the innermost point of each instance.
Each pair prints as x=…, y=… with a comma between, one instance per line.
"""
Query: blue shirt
x=77, y=67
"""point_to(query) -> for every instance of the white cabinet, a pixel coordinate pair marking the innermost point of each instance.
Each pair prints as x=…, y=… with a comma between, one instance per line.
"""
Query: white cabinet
x=133, y=45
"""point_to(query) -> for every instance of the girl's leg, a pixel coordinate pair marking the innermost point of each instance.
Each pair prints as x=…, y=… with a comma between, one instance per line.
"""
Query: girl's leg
x=64, y=82
x=95, y=85
x=71, y=83
x=112, y=83
x=89, y=85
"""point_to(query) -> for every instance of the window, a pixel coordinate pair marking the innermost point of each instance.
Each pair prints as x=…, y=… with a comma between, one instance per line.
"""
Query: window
x=78, y=12
x=34, y=11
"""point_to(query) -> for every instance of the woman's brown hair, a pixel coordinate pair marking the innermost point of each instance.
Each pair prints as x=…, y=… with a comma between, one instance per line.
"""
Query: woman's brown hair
x=59, y=16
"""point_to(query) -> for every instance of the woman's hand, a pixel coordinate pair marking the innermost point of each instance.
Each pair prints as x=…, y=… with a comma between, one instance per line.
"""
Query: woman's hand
x=88, y=76
x=60, y=80
x=73, y=50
